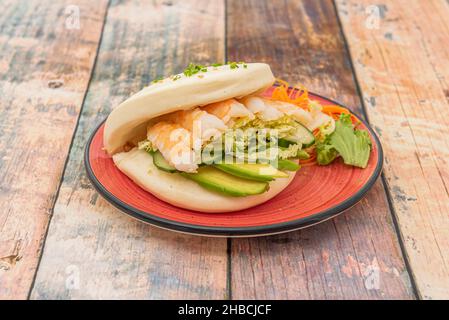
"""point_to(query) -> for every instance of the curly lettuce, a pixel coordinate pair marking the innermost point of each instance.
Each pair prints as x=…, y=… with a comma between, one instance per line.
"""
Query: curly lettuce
x=251, y=139
x=353, y=145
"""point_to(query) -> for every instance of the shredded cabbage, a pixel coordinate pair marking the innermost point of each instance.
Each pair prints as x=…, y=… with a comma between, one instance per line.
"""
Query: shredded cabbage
x=290, y=152
x=249, y=139
x=252, y=139
x=241, y=122
x=285, y=125
x=145, y=145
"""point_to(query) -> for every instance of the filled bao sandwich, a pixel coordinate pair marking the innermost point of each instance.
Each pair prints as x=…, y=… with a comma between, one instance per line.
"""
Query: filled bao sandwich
x=208, y=140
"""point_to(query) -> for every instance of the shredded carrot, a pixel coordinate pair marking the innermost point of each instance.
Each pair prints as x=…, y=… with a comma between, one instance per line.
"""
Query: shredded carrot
x=334, y=109
x=311, y=161
x=297, y=95
x=335, y=112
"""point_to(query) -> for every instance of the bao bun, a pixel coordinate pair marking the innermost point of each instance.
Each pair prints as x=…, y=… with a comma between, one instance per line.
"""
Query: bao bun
x=217, y=84
x=128, y=122
x=181, y=192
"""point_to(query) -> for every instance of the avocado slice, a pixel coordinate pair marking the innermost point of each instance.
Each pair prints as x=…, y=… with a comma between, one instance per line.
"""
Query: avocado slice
x=219, y=181
x=252, y=171
x=303, y=155
x=288, y=165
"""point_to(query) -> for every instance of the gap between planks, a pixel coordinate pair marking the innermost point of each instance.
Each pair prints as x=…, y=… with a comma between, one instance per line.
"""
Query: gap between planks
x=402, y=70
x=44, y=71
x=117, y=256
x=71, y=145
x=382, y=176
x=335, y=254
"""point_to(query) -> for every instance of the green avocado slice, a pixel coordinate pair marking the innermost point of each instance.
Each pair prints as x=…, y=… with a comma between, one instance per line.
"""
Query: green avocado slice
x=288, y=165
x=252, y=171
x=219, y=181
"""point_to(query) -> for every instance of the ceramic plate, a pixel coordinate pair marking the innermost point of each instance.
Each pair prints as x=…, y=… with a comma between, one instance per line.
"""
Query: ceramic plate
x=316, y=194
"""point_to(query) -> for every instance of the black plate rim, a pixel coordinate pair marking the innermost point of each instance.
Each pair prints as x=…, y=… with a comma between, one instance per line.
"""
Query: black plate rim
x=238, y=231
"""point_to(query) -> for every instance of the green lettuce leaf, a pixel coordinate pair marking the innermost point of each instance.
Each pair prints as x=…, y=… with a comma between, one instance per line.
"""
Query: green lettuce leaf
x=325, y=153
x=354, y=146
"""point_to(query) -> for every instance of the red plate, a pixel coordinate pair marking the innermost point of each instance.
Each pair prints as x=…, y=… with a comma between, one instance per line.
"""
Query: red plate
x=316, y=194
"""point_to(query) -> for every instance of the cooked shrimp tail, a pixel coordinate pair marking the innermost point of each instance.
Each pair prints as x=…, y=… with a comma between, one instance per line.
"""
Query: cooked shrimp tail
x=262, y=110
x=229, y=111
x=174, y=143
x=202, y=125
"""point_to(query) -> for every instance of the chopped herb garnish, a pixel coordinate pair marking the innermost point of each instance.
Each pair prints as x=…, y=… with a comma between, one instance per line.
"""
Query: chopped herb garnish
x=236, y=65
x=233, y=65
x=157, y=80
x=194, y=69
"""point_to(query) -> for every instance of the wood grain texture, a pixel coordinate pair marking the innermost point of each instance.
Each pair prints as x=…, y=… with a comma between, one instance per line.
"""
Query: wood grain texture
x=402, y=63
x=44, y=71
x=355, y=256
x=92, y=249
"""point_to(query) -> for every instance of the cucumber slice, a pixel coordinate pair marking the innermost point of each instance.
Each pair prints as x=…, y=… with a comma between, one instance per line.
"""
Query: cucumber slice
x=284, y=164
x=162, y=164
x=302, y=135
x=283, y=143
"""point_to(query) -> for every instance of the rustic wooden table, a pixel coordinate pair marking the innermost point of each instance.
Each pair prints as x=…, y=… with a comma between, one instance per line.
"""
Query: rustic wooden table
x=65, y=64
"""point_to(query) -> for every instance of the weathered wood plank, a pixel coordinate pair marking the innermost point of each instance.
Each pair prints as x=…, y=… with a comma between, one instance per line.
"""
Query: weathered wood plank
x=401, y=59
x=356, y=255
x=96, y=250
x=45, y=66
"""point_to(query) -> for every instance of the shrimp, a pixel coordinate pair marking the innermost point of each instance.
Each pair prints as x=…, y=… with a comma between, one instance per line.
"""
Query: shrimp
x=298, y=114
x=320, y=120
x=229, y=111
x=272, y=110
x=174, y=143
x=264, y=111
x=204, y=126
